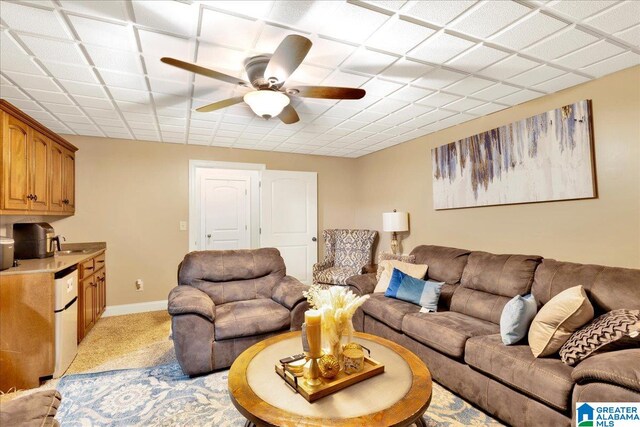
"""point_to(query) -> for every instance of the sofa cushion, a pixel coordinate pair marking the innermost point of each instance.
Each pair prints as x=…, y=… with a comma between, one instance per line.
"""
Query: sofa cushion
x=252, y=317
x=388, y=310
x=414, y=270
x=445, y=264
x=608, y=288
x=446, y=332
x=36, y=409
x=547, y=380
x=489, y=281
x=336, y=275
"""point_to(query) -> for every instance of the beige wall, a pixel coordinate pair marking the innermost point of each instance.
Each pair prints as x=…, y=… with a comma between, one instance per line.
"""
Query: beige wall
x=605, y=230
x=133, y=195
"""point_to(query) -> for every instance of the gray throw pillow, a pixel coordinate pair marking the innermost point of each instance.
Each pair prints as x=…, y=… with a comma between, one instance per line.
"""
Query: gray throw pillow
x=516, y=318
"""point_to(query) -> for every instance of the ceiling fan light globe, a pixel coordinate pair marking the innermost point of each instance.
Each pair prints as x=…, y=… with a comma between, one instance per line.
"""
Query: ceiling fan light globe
x=266, y=103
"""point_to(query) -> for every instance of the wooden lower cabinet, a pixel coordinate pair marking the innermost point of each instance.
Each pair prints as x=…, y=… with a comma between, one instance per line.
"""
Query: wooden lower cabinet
x=92, y=297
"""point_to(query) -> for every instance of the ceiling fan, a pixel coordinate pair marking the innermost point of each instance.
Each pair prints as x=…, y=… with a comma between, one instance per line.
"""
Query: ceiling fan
x=267, y=74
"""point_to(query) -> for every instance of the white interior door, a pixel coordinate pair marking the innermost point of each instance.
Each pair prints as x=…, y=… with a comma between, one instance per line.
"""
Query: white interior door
x=289, y=219
x=225, y=213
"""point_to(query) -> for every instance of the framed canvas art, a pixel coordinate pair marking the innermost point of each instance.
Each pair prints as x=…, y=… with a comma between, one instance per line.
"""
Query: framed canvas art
x=541, y=158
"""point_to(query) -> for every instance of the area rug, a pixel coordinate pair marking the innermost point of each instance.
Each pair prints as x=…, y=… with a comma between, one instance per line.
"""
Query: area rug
x=164, y=396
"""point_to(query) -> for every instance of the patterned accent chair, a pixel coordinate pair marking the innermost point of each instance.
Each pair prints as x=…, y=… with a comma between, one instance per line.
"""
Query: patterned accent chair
x=347, y=253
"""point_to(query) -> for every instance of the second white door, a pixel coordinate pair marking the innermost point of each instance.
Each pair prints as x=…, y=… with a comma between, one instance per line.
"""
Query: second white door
x=226, y=215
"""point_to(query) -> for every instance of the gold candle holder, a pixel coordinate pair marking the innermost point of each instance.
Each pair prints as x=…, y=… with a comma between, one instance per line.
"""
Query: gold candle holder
x=311, y=371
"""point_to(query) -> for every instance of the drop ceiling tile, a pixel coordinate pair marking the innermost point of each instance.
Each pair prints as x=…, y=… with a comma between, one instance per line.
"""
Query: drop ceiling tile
x=341, y=111
x=43, y=116
x=171, y=105
x=308, y=74
x=368, y=116
x=171, y=16
x=508, y=67
x=387, y=106
x=341, y=25
x=489, y=17
x=528, y=31
x=272, y=35
x=101, y=121
x=84, y=74
x=84, y=128
x=496, y=91
x=439, y=78
x=345, y=79
x=255, y=8
x=439, y=12
x=169, y=86
x=380, y=88
x=229, y=61
x=157, y=45
x=608, y=66
x=589, y=55
x=399, y=36
x=438, y=99
x=579, y=9
x=405, y=114
x=115, y=60
x=631, y=36
x=367, y=61
x=137, y=96
x=204, y=124
x=303, y=14
x=536, y=75
x=410, y=93
x=54, y=50
x=34, y=20
x=85, y=89
x=29, y=81
x=172, y=121
x=223, y=29
x=24, y=104
x=464, y=104
x=14, y=58
x=560, y=44
x=73, y=118
x=404, y=70
x=106, y=34
x=469, y=85
x=430, y=117
x=560, y=83
x=123, y=80
x=520, y=97
x=148, y=126
x=107, y=9
x=616, y=18
x=86, y=101
x=440, y=48
x=98, y=112
x=328, y=53
x=476, y=58
x=487, y=108
x=12, y=92
x=134, y=107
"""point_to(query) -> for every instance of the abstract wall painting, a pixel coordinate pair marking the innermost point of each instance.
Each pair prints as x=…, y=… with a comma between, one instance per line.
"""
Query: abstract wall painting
x=542, y=158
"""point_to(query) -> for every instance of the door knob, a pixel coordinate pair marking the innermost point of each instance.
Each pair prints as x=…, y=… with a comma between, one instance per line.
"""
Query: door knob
x=313, y=239
x=208, y=236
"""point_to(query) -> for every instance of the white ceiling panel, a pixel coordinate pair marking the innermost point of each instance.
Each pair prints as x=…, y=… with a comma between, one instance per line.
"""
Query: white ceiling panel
x=85, y=66
x=489, y=17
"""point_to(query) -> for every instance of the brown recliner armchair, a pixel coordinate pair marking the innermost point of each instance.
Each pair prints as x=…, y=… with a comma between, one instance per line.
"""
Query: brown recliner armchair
x=227, y=301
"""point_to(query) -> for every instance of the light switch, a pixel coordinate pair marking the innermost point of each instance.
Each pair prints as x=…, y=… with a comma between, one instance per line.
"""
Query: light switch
x=183, y=225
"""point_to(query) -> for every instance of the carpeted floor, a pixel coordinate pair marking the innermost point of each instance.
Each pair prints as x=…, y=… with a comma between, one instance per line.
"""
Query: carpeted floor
x=121, y=350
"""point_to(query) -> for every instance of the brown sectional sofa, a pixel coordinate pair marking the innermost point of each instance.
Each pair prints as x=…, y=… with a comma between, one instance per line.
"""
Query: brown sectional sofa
x=461, y=343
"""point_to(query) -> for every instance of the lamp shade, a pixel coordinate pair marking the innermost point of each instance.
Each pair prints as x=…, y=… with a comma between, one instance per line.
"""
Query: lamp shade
x=395, y=221
x=266, y=103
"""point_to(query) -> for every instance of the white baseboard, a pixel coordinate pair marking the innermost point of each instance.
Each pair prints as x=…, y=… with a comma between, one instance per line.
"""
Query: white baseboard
x=141, y=307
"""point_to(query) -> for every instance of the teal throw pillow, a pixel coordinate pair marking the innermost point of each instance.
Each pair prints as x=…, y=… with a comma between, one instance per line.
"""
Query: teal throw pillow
x=516, y=318
x=424, y=293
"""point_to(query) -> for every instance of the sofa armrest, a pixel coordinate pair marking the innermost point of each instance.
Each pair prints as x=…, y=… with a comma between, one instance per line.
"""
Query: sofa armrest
x=322, y=265
x=185, y=299
x=615, y=367
x=364, y=283
x=288, y=292
x=370, y=268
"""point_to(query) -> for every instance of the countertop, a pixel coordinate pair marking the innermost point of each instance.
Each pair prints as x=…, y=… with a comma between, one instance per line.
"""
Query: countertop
x=58, y=261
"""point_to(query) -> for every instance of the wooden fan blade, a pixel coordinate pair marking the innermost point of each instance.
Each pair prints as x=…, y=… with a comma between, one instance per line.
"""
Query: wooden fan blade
x=220, y=104
x=327, y=92
x=287, y=57
x=289, y=115
x=204, y=71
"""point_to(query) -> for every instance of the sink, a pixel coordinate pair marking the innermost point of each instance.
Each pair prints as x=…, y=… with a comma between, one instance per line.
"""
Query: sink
x=74, y=251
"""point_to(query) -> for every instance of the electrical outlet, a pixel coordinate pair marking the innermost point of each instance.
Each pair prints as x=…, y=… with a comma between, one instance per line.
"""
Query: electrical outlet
x=183, y=226
x=139, y=285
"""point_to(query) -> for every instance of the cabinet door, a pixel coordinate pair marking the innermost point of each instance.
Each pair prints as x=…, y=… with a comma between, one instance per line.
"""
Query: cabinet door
x=15, y=163
x=101, y=294
x=40, y=159
x=57, y=178
x=69, y=181
x=88, y=303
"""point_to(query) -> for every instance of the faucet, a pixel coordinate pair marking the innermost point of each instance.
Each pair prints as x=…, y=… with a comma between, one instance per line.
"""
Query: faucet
x=56, y=240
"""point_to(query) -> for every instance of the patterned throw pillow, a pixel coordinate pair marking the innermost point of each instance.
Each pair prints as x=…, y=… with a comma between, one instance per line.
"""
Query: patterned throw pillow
x=614, y=330
x=410, y=259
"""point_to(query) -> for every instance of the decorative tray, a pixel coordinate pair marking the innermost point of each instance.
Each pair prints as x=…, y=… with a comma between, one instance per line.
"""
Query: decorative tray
x=329, y=385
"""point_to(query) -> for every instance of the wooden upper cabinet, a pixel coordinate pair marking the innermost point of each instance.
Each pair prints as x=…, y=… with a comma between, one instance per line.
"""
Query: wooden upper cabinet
x=40, y=157
x=57, y=178
x=38, y=167
x=15, y=163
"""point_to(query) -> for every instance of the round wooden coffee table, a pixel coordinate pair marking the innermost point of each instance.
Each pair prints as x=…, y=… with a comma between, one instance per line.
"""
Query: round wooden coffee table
x=398, y=397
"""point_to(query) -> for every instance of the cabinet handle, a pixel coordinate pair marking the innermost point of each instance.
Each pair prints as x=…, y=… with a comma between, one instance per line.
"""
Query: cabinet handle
x=35, y=197
x=30, y=196
x=88, y=268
